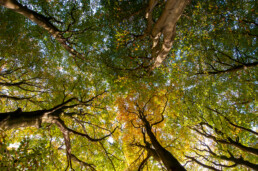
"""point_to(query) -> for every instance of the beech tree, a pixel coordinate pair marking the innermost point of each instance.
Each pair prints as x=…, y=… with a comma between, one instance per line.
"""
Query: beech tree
x=128, y=85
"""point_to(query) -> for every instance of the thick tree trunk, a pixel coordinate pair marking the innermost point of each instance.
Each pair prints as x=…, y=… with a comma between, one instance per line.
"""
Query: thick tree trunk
x=18, y=119
x=170, y=162
x=166, y=26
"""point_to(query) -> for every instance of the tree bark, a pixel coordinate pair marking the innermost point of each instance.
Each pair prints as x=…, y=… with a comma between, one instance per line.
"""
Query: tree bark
x=166, y=25
x=18, y=118
x=170, y=162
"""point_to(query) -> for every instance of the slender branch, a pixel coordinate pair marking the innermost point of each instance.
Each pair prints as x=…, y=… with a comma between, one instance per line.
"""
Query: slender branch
x=200, y=163
x=91, y=166
x=43, y=22
x=226, y=140
x=107, y=154
x=232, y=69
x=231, y=123
x=84, y=134
x=144, y=161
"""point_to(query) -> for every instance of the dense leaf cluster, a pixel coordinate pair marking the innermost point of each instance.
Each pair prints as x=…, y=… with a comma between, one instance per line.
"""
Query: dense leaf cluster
x=93, y=85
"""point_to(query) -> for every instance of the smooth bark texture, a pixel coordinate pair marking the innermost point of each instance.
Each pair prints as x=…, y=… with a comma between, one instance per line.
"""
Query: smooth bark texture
x=166, y=26
x=18, y=118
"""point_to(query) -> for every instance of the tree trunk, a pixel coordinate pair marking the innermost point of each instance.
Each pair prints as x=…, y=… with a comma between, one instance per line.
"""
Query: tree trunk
x=166, y=25
x=18, y=119
x=167, y=158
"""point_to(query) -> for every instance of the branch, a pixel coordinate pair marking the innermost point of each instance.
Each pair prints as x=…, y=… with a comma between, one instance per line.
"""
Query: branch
x=231, y=123
x=141, y=166
x=91, y=99
x=108, y=156
x=43, y=22
x=62, y=105
x=91, y=166
x=14, y=97
x=83, y=134
x=203, y=165
x=88, y=137
x=232, y=69
x=162, y=116
x=227, y=140
x=66, y=136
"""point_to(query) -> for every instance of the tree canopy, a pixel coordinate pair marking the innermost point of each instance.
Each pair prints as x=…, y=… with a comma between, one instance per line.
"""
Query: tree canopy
x=128, y=85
